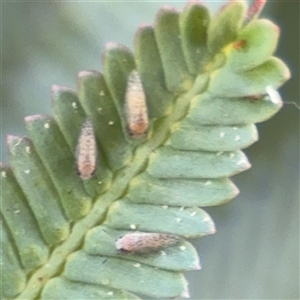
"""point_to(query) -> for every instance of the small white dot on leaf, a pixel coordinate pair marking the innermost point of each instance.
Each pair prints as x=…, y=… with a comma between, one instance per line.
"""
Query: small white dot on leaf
x=234, y=128
x=132, y=226
x=111, y=123
x=178, y=220
x=17, y=211
x=47, y=125
x=102, y=93
x=27, y=149
x=193, y=214
x=219, y=153
x=232, y=155
x=206, y=219
x=27, y=172
x=110, y=293
x=137, y=265
x=182, y=248
x=181, y=208
x=3, y=174
x=74, y=104
x=99, y=182
x=222, y=134
x=237, y=138
x=100, y=110
x=165, y=206
x=208, y=182
x=163, y=253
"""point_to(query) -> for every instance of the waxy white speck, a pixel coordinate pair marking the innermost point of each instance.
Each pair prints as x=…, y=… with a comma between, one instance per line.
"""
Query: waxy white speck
x=27, y=149
x=273, y=95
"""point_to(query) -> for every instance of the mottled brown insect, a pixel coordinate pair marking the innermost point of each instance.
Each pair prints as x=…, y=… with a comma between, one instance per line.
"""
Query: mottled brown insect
x=145, y=242
x=86, y=151
x=135, y=106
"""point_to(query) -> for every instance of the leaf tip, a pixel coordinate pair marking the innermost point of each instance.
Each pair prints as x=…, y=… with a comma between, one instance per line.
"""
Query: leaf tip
x=85, y=73
x=34, y=118
x=12, y=140
x=185, y=294
x=197, y=266
x=56, y=90
x=165, y=9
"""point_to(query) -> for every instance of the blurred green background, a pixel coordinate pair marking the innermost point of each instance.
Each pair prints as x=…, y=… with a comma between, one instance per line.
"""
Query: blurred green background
x=255, y=252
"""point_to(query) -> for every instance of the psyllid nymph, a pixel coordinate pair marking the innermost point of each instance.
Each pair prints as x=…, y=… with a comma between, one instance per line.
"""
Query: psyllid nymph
x=86, y=152
x=145, y=242
x=136, y=111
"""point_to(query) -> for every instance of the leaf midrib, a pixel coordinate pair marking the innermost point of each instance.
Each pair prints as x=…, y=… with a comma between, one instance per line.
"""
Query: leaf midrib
x=55, y=264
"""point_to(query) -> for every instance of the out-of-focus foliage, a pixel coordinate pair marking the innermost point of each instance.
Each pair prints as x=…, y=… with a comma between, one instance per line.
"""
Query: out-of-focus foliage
x=255, y=254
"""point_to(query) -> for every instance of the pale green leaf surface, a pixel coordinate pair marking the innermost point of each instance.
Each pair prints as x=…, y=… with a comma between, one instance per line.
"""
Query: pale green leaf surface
x=212, y=110
x=168, y=162
x=23, y=227
x=14, y=280
x=123, y=274
x=61, y=168
x=193, y=23
x=37, y=185
x=213, y=138
x=145, y=189
x=188, y=222
x=167, y=36
x=155, y=184
x=62, y=288
x=272, y=72
x=258, y=41
x=159, y=99
x=225, y=26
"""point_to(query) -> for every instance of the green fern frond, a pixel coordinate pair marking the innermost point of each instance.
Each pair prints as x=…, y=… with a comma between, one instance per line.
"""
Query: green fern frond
x=207, y=81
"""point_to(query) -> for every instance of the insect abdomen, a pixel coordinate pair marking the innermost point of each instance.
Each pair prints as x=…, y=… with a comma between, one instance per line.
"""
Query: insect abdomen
x=144, y=242
x=136, y=106
x=86, y=151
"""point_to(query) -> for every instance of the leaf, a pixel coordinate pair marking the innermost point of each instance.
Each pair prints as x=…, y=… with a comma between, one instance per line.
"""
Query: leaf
x=207, y=80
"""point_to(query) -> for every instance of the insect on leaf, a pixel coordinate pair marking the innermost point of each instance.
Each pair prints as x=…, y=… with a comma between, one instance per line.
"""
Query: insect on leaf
x=129, y=159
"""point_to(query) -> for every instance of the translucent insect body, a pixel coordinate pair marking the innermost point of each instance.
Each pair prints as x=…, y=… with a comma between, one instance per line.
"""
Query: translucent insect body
x=136, y=106
x=86, y=151
x=144, y=242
